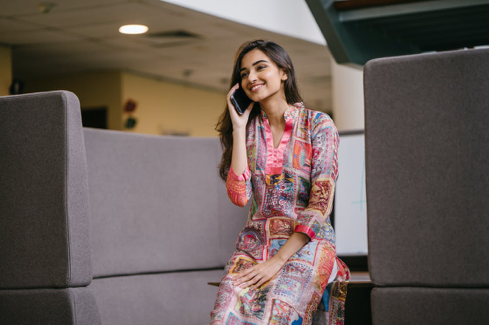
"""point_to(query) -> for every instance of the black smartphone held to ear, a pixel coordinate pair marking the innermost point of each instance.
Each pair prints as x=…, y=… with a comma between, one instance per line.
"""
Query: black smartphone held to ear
x=240, y=100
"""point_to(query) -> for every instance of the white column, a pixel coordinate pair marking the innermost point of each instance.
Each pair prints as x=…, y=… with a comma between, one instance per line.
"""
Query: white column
x=347, y=95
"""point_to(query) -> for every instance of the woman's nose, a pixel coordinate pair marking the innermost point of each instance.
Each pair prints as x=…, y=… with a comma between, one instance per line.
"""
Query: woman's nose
x=251, y=77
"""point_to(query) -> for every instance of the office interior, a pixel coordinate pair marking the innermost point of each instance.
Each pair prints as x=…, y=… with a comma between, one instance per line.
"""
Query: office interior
x=177, y=73
x=172, y=80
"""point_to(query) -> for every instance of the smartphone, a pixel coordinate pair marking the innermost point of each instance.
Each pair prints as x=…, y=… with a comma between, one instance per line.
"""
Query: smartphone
x=240, y=100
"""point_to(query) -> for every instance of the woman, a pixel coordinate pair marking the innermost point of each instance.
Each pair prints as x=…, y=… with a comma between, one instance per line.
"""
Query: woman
x=283, y=157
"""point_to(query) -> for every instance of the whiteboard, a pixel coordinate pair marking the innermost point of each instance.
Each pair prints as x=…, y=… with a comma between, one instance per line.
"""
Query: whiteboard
x=350, y=205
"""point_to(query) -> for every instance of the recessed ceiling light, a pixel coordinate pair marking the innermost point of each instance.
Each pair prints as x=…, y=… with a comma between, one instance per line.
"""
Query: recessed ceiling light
x=133, y=29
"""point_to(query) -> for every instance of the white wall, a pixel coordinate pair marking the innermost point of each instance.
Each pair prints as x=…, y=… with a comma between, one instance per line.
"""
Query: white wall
x=165, y=108
x=347, y=90
x=288, y=17
x=93, y=89
x=161, y=106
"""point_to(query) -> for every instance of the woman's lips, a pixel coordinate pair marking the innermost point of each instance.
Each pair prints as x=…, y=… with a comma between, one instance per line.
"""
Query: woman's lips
x=256, y=87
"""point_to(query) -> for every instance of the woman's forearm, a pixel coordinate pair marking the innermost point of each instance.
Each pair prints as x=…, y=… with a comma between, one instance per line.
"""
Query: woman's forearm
x=291, y=246
x=239, y=161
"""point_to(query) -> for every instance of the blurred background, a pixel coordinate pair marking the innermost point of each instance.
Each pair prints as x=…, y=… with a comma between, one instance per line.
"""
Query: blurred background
x=174, y=77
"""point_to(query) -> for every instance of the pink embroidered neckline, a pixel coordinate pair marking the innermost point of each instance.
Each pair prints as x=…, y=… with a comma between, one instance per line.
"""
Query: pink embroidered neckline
x=275, y=156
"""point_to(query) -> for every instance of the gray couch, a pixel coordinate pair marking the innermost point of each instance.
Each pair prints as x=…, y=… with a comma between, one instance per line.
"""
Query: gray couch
x=162, y=225
x=427, y=173
x=107, y=227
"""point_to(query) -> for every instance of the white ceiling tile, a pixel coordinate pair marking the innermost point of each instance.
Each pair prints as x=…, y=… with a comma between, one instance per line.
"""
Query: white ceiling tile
x=82, y=47
x=36, y=36
x=122, y=43
x=158, y=23
x=8, y=25
x=125, y=13
x=98, y=30
x=23, y=7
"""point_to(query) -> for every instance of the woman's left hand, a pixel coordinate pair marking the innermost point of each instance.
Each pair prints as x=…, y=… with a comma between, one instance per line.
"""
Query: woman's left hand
x=259, y=274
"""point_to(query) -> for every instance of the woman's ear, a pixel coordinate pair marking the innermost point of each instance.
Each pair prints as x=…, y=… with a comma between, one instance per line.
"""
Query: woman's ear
x=284, y=75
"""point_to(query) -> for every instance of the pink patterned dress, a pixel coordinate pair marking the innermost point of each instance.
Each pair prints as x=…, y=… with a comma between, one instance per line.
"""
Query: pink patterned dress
x=291, y=189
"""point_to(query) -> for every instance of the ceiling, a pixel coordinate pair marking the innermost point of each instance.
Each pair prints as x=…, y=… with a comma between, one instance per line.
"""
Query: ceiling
x=76, y=36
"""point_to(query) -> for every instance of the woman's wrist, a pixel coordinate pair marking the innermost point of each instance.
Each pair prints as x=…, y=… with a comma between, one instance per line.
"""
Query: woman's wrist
x=279, y=259
x=291, y=247
x=239, y=130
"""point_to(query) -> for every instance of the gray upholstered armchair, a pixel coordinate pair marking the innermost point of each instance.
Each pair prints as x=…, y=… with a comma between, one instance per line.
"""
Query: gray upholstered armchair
x=427, y=172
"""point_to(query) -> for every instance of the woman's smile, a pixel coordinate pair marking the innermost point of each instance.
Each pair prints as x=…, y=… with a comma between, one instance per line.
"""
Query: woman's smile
x=256, y=87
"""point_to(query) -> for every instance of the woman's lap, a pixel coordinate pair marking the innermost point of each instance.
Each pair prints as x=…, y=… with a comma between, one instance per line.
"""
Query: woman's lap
x=291, y=297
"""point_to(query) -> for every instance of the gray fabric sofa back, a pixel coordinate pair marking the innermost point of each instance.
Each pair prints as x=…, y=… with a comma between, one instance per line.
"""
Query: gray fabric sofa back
x=45, y=263
x=157, y=204
x=162, y=226
x=427, y=171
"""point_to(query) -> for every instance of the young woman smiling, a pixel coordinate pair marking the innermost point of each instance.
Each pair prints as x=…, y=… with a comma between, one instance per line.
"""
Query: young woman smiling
x=283, y=157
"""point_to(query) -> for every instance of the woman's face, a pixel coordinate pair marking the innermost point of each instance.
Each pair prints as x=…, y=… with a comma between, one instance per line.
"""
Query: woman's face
x=261, y=77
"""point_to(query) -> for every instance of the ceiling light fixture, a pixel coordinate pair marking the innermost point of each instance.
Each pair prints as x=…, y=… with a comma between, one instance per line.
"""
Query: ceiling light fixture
x=46, y=7
x=133, y=29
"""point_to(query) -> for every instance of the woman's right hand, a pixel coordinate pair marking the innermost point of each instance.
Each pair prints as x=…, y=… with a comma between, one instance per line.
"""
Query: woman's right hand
x=239, y=121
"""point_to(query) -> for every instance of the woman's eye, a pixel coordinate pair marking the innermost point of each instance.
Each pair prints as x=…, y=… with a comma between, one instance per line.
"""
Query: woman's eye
x=261, y=67
x=243, y=75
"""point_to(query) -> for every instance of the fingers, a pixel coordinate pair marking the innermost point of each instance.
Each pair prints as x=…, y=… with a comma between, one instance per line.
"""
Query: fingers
x=257, y=275
x=250, y=107
x=248, y=283
x=261, y=282
x=235, y=117
x=247, y=112
x=254, y=277
x=232, y=90
x=243, y=277
x=228, y=97
x=244, y=272
x=239, y=121
x=247, y=275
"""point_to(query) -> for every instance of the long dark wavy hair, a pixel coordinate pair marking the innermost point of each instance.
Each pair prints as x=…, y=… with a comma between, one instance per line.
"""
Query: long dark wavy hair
x=224, y=125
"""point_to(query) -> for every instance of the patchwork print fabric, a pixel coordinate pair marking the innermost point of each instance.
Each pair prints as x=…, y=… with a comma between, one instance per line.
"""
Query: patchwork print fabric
x=292, y=189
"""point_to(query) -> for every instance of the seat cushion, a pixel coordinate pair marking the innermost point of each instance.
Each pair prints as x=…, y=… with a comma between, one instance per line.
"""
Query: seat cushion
x=72, y=306
x=434, y=306
x=148, y=299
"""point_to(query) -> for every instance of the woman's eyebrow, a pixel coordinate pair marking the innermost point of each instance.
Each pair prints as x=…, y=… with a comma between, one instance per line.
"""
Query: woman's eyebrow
x=259, y=61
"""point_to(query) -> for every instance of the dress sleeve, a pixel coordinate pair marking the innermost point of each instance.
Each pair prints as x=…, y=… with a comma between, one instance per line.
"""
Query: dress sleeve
x=324, y=174
x=239, y=187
